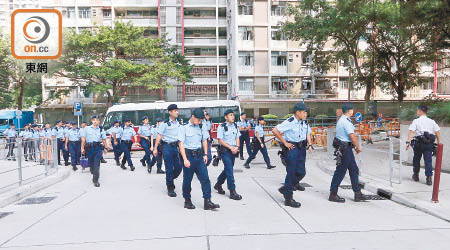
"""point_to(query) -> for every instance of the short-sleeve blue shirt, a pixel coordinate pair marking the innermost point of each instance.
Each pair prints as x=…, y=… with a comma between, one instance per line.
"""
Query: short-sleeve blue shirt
x=230, y=135
x=10, y=132
x=260, y=130
x=344, y=128
x=26, y=134
x=294, y=130
x=243, y=124
x=117, y=130
x=207, y=124
x=169, y=133
x=36, y=133
x=127, y=133
x=58, y=132
x=155, y=131
x=92, y=134
x=145, y=130
x=73, y=134
x=192, y=135
x=47, y=133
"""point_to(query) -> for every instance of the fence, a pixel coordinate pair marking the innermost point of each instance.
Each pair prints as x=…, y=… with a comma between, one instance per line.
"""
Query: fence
x=23, y=161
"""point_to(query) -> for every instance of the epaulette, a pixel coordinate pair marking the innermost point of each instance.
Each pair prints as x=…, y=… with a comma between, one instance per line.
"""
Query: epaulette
x=291, y=119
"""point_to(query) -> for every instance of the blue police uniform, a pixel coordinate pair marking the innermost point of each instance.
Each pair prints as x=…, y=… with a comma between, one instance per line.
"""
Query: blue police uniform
x=125, y=145
x=295, y=132
x=117, y=131
x=158, y=158
x=259, y=132
x=145, y=130
x=344, y=128
x=26, y=140
x=74, y=145
x=65, y=152
x=35, y=142
x=11, y=135
x=228, y=132
x=245, y=137
x=192, y=137
x=169, y=131
x=93, y=136
x=59, y=133
x=208, y=124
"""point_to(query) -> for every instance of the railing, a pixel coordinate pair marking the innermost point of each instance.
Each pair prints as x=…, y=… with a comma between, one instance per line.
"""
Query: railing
x=23, y=161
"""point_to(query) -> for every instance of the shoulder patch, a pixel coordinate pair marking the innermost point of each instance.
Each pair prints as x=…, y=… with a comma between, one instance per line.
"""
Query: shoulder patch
x=291, y=119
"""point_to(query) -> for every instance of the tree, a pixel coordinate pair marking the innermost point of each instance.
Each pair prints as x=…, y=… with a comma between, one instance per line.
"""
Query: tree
x=109, y=58
x=342, y=24
x=401, y=45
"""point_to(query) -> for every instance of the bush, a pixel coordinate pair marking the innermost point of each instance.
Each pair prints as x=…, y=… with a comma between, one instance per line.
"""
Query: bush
x=270, y=116
x=321, y=116
x=287, y=116
x=437, y=110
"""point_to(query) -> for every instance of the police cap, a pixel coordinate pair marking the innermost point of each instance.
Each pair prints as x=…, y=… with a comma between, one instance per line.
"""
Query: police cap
x=159, y=119
x=95, y=117
x=172, y=107
x=58, y=121
x=243, y=113
x=346, y=107
x=198, y=113
x=423, y=108
x=260, y=118
x=145, y=117
x=227, y=112
x=299, y=107
x=115, y=122
x=126, y=120
x=74, y=123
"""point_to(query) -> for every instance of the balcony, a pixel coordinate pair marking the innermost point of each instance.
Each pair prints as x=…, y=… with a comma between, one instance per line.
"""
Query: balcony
x=246, y=70
x=246, y=20
x=190, y=21
x=277, y=20
x=246, y=45
x=279, y=69
x=278, y=44
x=140, y=21
x=207, y=60
x=203, y=3
x=204, y=41
x=136, y=3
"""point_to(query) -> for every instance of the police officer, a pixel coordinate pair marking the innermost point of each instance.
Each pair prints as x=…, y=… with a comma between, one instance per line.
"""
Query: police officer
x=228, y=137
x=26, y=135
x=145, y=133
x=294, y=143
x=11, y=135
x=91, y=138
x=58, y=133
x=67, y=127
x=126, y=142
x=259, y=145
x=115, y=131
x=207, y=123
x=46, y=136
x=158, y=158
x=35, y=141
x=168, y=133
x=424, y=131
x=244, y=128
x=346, y=140
x=194, y=150
x=73, y=145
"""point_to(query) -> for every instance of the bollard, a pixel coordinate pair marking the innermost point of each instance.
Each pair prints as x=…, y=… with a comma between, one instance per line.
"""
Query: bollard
x=437, y=173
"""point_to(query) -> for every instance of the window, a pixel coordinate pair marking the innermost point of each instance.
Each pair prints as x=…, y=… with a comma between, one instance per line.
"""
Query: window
x=279, y=9
x=69, y=12
x=179, y=18
x=178, y=34
x=246, y=33
x=94, y=12
x=245, y=7
x=279, y=83
x=278, y=58
x=245, y=84
x=246, y=58
x=107, y=13
x=199, y=13
x=84, y=12
x=291, y=58
x=343, y=85
x=306, y=58
x=277, y=34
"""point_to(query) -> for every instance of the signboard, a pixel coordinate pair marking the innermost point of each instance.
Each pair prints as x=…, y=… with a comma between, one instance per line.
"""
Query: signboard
x=77, y=109
x=358, y=117
x=19, y=114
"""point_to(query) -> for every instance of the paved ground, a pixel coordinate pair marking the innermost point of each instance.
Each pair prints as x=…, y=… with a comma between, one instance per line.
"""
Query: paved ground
x=132, y=211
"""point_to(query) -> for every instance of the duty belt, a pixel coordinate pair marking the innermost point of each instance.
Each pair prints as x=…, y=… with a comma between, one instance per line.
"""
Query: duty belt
x=299, y=144
x=91, y=144
x=73, y=142
x=194, y=152
x=126, y=141
x=173, y=144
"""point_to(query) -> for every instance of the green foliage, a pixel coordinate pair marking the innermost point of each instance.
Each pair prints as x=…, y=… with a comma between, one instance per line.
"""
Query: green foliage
x=437, y=110
x=270, y=116
x=321, y=116
x=113, y=57
x=288, y=116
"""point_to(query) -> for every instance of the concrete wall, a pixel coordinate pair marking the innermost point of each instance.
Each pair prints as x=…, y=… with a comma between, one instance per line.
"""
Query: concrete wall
x=408, y=155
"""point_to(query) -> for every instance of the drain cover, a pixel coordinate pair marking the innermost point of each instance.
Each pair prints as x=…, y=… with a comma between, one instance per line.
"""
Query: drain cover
x=375, y=197
x=37, y=200
x=2, y=215
x=349, y=186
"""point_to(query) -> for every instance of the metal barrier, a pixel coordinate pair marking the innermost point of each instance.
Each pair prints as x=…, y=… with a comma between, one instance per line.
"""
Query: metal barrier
x=23, y=161
x=374, y=157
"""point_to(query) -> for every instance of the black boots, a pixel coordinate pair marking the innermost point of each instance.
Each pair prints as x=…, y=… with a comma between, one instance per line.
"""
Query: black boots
x=122, y=166
x=160, y=171
x=171, y=192
x=74, y=167
x=246, y=165
x=242, y=157
x=429, y=181
x=415, y=177
x=360, y=197
x=334, y=197
x=298, y=187
x=149, y=169
x=234, y=195
x=132, y=168
x=102, y=160
x=290, y=202
x=219, y=189
x=117, y=163
x=271, y=166
x=209, y=205
x=143, y=162
x=96, y=184
x=188, y=203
